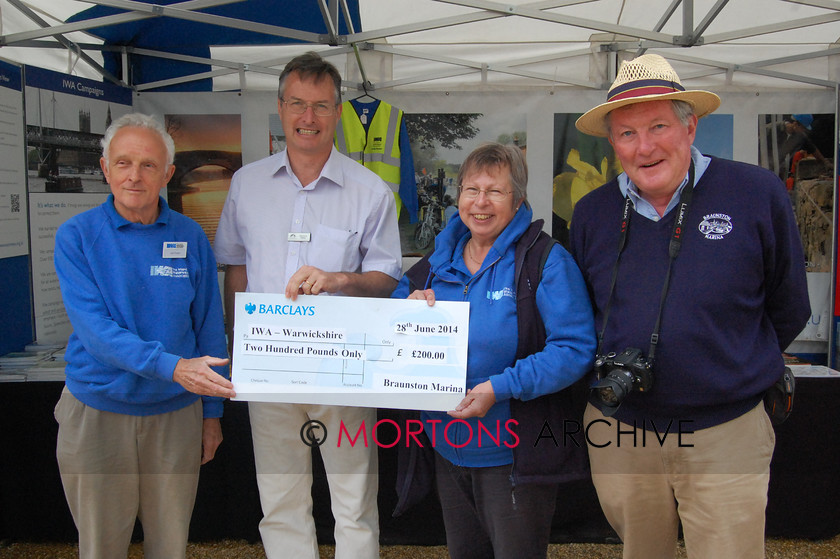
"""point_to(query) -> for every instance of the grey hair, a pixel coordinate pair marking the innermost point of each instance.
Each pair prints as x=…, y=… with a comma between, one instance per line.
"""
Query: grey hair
x=310, y=65
x=138, y=120
x=493, y=155
x=683, y=110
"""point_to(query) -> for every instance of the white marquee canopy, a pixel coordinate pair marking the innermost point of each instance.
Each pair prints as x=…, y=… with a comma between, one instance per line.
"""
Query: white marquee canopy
x=462, y=44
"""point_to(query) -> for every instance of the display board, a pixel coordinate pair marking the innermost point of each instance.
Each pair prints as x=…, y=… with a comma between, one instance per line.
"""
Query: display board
x=15, y=311
x=13, y=231
x=66, y=117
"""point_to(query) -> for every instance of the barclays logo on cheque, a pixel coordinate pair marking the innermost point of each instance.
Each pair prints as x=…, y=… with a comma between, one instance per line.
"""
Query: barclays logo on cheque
x=288, y=310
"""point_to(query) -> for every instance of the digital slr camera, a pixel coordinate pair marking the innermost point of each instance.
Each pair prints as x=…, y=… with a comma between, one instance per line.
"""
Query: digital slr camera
x=618, y=375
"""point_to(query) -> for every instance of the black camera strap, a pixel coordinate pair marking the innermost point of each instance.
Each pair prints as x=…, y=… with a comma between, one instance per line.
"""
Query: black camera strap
x=673, y=250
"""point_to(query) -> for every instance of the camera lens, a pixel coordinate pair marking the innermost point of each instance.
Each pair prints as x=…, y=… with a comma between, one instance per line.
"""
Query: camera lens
x=612, y=389
x=607, y=395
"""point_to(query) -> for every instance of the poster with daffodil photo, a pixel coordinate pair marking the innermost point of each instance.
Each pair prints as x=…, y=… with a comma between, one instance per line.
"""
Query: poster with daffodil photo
x=582, y=163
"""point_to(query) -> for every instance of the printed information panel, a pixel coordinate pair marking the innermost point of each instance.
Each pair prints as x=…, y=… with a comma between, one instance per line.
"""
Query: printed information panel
x=351, y=351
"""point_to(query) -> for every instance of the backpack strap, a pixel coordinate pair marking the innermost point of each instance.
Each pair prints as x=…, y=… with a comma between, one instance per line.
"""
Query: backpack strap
x=546, y=462
x=532, y=251
x=419, y=276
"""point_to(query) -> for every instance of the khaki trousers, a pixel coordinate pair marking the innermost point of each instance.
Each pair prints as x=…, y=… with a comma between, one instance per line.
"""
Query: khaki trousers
x=116, y=468
x=717, y=488
x=284, y=477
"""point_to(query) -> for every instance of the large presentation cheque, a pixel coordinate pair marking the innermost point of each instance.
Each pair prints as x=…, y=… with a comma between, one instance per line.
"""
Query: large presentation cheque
x=350, y=351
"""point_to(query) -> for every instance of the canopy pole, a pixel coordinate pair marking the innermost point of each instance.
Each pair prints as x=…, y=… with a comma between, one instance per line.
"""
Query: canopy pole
x=366, y=85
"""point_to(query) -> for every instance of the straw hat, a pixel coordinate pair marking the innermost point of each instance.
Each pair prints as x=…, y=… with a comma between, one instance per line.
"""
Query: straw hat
x=646, y=78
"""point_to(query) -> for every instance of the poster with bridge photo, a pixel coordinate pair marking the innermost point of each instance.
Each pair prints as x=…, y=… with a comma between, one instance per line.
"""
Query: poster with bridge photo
x=208, y=150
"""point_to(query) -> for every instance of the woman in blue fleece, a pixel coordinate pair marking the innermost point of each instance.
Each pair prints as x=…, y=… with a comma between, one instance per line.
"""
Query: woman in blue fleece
x=139, y=284
x=474, y=261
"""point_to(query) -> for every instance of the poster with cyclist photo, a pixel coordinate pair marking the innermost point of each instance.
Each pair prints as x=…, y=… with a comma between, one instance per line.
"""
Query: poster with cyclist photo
x=439, y=144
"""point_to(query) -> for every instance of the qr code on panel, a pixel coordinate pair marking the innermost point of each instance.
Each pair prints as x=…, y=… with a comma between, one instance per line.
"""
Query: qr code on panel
x=15, y=199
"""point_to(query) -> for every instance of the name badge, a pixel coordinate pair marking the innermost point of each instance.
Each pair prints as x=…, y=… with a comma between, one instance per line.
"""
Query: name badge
x=298, y=237
x=173, y=249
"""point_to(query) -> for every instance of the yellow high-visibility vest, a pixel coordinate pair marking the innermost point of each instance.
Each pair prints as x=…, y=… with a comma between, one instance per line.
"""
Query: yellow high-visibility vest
x=379, y=149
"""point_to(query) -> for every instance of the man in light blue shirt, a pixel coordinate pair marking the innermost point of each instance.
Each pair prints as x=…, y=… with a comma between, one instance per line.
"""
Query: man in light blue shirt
x=310, y=220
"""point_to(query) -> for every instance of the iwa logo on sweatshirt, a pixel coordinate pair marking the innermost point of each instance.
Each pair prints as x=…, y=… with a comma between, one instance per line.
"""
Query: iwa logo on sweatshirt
x=715, y=226
x=496, y=295
x=169, y=271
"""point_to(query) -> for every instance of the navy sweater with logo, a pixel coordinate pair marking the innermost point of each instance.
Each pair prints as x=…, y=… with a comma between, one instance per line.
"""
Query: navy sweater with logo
x=738, y=293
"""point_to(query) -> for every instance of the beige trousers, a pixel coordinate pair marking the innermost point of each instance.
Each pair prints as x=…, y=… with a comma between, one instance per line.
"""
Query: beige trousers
x=284, y=477
x=116, y=468
x=717, y=487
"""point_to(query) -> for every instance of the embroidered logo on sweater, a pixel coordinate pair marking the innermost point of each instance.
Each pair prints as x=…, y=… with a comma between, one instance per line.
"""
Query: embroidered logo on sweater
x=169, y=271
x=715, y=226
x=496, y=295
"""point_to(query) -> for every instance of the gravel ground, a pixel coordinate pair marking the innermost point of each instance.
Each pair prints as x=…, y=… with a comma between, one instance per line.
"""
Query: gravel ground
x=776, y=549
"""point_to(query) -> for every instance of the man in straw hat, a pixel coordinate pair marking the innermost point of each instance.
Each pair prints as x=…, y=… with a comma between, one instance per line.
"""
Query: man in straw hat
x=697, y=276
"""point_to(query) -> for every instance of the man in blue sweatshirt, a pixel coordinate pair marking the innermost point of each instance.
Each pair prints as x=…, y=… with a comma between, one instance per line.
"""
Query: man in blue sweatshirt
x=140, y=287
x=695, y=265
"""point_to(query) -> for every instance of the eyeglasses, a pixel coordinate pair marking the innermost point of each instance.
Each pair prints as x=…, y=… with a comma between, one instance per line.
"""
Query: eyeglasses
x=472, y=193
x=299, y=107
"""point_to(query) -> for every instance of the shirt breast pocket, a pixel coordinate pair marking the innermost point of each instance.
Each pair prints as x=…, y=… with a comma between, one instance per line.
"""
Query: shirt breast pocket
x=334, y=250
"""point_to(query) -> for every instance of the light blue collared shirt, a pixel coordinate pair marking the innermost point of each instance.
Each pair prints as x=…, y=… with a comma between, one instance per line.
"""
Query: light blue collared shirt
x=645, y=208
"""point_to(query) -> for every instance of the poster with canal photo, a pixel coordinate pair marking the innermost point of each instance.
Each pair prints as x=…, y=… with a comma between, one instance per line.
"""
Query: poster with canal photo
x=208, y=150
x=439, y=144
x=66, y=117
